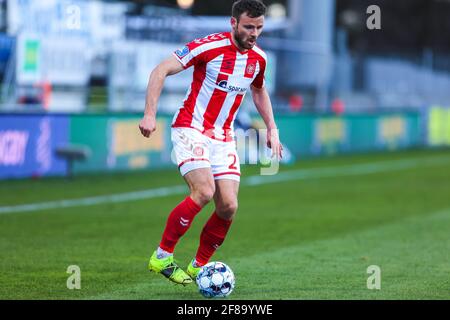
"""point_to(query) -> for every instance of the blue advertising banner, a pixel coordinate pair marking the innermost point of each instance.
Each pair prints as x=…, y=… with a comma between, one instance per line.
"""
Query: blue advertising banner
x=27, y=145
x=6, y=46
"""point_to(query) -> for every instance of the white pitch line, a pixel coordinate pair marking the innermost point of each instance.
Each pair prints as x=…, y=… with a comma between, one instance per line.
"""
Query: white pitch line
x=111, y=198
x=301, y=174
x=347, y=170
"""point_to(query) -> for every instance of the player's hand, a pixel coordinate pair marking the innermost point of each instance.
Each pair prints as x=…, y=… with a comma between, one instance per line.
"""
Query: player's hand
x=273, y=142
x=147, y=125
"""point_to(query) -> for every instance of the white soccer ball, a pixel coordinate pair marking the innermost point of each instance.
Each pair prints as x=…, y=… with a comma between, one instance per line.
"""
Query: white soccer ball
x=215, y=280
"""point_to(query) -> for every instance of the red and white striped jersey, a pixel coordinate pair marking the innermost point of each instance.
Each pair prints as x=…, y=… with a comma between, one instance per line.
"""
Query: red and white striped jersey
x=222, y=76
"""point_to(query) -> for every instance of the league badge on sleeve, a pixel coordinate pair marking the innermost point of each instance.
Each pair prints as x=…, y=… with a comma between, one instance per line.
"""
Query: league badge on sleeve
x=183, y=52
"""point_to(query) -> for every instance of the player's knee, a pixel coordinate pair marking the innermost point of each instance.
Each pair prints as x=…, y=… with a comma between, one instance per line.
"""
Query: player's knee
x=227, y=210
x=203, y=194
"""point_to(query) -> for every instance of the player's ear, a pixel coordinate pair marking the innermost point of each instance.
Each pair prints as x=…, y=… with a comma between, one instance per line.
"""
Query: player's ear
x=233, y=22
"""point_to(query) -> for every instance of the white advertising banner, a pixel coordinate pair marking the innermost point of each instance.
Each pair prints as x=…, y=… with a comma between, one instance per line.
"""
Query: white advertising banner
x=59, y=61
x=132, y=62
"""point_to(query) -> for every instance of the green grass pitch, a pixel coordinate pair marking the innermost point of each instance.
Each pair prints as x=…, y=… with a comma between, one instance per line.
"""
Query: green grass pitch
x=300, y=238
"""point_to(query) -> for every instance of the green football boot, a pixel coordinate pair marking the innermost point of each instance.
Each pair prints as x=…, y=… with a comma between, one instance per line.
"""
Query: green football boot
x=193, y=271
x=169, y=269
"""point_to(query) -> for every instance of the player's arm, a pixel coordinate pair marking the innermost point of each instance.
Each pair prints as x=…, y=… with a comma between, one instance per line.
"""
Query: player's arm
x=264, y=106
x=168, y=67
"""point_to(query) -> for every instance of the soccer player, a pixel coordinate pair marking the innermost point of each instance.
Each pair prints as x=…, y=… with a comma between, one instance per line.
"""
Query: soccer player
x=225, y=65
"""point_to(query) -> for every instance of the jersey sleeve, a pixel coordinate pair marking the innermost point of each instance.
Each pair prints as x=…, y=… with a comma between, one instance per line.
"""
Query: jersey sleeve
x=260, y=80
x=190, y=54
x=197, y=51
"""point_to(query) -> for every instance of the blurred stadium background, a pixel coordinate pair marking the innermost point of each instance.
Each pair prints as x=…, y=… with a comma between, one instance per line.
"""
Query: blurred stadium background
x=74, y=75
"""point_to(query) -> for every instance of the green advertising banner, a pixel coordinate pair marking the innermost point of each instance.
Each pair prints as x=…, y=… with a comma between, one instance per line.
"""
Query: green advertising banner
x=439, y=126
x=327, y=135
x=29, y=59
x=30, y=63
x=117, y=145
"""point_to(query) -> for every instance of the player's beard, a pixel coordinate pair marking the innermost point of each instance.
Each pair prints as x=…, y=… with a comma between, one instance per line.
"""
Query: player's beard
x=242, y=40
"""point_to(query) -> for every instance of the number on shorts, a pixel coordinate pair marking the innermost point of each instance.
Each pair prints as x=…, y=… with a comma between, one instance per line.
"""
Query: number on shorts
x=233, y=165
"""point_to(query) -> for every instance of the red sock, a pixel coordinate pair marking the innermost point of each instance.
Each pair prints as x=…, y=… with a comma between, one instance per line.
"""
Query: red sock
x=213, y=235
x=179, y=221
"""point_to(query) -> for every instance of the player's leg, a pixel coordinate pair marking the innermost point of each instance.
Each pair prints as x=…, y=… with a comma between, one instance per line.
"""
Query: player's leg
x=201, y=186
x=195, y=168
x=226, y=172
x=216, y=228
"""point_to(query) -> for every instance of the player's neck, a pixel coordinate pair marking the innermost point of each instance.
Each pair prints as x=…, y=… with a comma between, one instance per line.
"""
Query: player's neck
x=236, y=44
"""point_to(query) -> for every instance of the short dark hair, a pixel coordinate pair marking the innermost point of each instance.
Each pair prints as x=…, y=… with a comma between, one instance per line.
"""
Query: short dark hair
x=253, y=8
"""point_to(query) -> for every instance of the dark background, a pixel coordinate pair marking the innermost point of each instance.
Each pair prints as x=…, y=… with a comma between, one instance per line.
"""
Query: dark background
x=407, y=25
